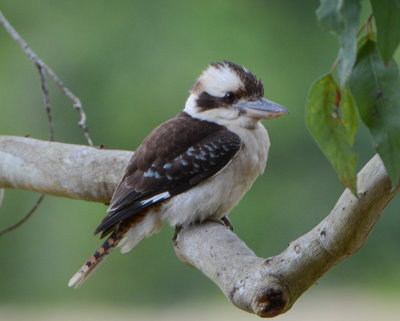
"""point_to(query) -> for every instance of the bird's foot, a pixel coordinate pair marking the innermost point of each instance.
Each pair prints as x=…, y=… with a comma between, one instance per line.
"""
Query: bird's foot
x=227, y=222
x=223, y=221
x=178, y=229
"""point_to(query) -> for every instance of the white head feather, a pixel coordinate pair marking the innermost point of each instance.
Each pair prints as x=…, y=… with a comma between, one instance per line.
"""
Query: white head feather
x=217, y=80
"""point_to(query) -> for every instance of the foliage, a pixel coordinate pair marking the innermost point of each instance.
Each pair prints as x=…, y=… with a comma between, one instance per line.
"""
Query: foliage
x=387, y=13
x=368, y=75
x=329, y=129
x=342, y=18
x=376, y=89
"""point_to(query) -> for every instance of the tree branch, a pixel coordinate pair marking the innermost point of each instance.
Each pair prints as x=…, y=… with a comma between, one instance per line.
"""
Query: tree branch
x=266, y=287
x=73, y=171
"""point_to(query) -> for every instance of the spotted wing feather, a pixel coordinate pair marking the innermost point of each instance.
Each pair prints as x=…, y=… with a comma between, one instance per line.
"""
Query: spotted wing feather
x=176, y=156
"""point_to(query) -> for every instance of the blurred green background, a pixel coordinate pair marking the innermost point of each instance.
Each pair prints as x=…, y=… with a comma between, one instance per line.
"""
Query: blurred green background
x=132, y=64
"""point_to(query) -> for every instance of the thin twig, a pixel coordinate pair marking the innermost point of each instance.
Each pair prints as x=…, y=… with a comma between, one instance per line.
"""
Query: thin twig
x=334, y=65
x=38, y=62
x=27, y=216
x=46, y=99
x=365, y=24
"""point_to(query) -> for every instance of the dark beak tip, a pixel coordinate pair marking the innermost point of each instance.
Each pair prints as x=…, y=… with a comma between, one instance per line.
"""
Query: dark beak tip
x=281, y=111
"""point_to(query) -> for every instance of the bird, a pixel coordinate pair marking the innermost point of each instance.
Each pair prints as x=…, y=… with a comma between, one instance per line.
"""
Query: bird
x=194, y=167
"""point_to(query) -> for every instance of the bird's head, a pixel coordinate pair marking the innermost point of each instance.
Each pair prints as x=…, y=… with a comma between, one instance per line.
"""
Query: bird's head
x=226, y=91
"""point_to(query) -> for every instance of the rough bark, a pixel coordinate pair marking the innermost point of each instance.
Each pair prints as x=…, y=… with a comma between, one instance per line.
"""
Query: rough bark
x=266, y=287
x=73, y=171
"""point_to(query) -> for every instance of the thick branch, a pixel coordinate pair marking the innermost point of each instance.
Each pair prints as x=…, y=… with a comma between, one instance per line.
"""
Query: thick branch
x=74, y=171
x=266, y=287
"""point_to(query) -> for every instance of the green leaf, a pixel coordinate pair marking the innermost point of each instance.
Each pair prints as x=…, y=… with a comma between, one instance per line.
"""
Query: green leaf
x=376, y=91
x=387, y=17
x=342, y=17
x=349, y=111
x=328, y=129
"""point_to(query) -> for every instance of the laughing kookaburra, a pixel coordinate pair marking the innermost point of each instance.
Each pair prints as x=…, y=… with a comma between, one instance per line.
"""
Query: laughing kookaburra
x=195, y=166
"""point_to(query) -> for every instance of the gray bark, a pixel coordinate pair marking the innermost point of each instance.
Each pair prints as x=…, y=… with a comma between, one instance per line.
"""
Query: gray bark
x=73, y=171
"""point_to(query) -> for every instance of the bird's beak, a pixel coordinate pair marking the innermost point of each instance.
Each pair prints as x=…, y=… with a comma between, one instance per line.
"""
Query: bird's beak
x=261, y=108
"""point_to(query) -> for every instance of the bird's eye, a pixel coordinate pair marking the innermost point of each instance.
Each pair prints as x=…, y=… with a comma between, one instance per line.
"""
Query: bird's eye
x=230, y=97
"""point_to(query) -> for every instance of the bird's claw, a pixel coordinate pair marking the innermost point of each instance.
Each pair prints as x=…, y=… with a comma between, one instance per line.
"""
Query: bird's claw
x=223, y=221
x=178, y=229
x=227, y=222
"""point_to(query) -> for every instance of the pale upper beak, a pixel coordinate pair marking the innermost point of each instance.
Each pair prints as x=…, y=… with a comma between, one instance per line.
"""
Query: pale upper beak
x=261, y=108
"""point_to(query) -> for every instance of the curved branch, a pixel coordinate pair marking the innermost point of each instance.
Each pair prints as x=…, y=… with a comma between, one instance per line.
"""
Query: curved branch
x=266, y=287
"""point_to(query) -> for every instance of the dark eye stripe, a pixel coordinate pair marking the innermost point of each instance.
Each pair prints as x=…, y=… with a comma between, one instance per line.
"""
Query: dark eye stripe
x=208, y=101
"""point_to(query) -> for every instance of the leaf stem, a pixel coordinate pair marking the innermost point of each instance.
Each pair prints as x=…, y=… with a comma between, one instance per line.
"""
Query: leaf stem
x=366, y=25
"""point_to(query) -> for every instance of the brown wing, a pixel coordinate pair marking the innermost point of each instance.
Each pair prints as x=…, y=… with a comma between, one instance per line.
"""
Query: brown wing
x=176, y=156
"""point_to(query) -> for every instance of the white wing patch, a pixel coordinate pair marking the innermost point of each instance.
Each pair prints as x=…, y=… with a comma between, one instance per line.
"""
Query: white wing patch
x=156, y=198
x=152, y=173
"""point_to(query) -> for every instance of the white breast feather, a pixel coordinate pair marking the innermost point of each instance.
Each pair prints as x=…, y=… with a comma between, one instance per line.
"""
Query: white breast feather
x=219, y=194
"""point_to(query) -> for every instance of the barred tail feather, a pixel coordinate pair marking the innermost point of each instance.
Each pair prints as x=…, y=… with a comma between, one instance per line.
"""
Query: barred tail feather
x=90, y=266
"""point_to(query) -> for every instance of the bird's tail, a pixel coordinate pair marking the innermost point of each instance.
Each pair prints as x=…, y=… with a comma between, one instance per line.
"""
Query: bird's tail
x=94, y=261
